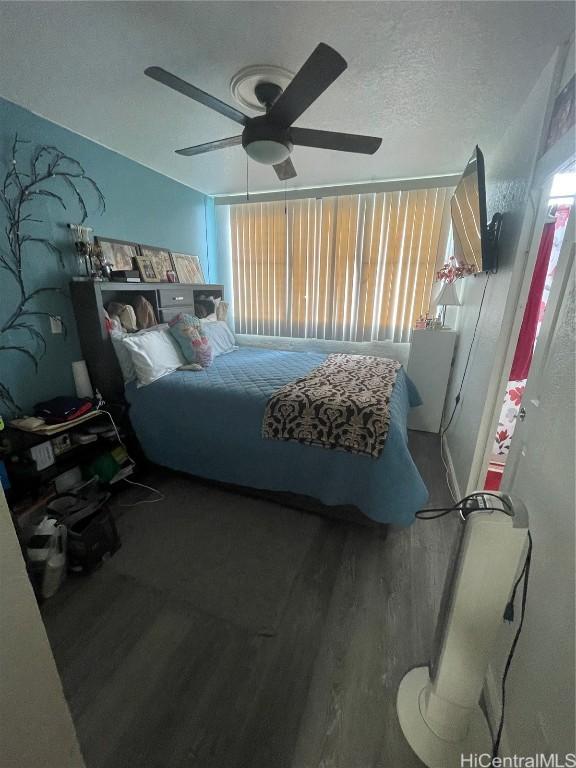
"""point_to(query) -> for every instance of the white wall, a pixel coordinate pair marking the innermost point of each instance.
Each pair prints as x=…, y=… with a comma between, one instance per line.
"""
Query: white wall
x=540, y=694
x=36, y=729
x=509, y=168
x=540, y=690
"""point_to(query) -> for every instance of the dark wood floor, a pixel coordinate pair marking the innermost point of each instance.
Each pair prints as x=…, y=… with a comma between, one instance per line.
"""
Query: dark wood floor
x=156, y=682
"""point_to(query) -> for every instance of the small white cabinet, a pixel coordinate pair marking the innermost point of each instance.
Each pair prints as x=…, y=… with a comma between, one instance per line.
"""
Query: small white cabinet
x=429, y=367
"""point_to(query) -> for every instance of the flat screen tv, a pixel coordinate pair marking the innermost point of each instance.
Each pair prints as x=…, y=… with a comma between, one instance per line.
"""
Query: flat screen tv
x=474, y=241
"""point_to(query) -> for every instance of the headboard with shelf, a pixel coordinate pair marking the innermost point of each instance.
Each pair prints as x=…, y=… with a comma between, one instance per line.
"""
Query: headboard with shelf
x=90, y=299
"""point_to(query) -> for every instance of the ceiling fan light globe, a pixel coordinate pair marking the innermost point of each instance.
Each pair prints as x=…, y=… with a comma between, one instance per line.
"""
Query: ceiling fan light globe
x=267, y=152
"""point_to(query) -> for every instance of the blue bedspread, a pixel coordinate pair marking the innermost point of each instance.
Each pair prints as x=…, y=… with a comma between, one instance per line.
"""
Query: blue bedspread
x=208, y=423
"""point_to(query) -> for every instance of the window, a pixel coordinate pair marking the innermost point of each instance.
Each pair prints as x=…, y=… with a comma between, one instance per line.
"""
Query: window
x=354, y=268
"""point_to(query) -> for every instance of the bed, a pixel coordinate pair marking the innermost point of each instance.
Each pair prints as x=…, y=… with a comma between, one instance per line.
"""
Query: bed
x=208, y=424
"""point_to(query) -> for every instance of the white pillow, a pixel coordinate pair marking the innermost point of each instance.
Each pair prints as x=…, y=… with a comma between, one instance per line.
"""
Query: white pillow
x=154, y=354
x=123, y=356
x=220, y=336
x=123, y=353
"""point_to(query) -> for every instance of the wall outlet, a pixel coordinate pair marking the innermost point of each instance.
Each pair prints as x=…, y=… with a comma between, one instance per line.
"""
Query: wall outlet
x=55, y=324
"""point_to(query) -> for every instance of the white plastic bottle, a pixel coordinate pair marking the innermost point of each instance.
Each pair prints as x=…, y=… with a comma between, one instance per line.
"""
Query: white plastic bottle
x=55, y=569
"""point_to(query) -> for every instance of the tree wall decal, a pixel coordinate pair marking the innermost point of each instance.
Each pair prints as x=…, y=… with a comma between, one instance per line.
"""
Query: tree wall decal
x=51, y=174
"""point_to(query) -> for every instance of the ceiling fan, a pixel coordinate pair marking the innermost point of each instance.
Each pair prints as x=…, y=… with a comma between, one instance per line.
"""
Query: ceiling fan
x=270, y=138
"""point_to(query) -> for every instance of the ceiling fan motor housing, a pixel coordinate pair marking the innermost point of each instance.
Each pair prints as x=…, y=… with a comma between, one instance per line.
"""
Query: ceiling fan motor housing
x=265, y=142
x=267, y=93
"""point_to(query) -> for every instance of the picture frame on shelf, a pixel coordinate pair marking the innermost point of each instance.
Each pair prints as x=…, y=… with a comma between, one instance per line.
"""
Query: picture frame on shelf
x=188, y=268
x=155, y=264
x=121, y=255
x=147, y=270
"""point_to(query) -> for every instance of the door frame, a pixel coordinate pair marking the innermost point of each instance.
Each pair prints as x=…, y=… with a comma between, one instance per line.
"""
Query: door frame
x=533, y=392
x=538, y=198
x=557, y=157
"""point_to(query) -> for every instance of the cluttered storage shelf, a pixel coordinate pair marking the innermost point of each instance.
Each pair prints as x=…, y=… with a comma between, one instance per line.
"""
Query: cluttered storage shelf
x=47, y=458
x=90, y=300
x=61, y=472
x=42, y=453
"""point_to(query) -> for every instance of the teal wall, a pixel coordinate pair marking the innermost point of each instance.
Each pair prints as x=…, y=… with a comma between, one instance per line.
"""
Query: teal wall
x=141, y=205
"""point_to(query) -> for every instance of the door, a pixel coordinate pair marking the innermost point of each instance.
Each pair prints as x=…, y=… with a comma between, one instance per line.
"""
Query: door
x=540, y=384
x=35, y=724
x=540, y=471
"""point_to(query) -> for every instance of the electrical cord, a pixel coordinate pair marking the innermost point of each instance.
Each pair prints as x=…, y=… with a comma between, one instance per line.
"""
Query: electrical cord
x=447, y=471
x=509, y=612
x=452, y=509
x=423, y=514
x=458, y=396
x=524, y=574
x=160, y=495
x=102, y=410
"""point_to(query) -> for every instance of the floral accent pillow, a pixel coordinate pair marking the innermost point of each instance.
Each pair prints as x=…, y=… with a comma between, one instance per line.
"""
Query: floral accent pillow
x=188, y=333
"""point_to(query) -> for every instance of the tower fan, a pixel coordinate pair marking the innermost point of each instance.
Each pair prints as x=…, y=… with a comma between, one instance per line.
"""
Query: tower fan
x=438, y=705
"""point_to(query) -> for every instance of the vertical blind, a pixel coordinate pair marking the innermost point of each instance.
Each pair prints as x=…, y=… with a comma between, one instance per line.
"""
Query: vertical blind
x=354, y=268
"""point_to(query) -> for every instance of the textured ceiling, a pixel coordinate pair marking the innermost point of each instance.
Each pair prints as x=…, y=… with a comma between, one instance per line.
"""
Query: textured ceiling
x=431, y=78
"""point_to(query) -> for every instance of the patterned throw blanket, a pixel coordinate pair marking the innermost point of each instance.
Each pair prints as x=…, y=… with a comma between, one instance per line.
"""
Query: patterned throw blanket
x=342, y=404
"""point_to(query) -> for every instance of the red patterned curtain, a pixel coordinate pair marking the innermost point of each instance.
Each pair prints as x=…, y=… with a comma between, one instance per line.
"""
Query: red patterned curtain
x=527, y=337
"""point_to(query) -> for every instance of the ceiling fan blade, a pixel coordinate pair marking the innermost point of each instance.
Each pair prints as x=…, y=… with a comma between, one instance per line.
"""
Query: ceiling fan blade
x=318, y=72
x=343, y=142
x=209, y=146
x=166, y=78
x=285, y=170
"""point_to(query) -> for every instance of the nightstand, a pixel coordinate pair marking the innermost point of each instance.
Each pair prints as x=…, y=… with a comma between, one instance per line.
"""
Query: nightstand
x=429, y=367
